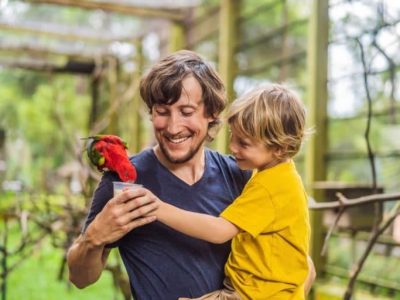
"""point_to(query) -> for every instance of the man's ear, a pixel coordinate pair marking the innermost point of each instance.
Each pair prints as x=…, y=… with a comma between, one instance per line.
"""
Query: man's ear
x=211, y=119
x=151, y=114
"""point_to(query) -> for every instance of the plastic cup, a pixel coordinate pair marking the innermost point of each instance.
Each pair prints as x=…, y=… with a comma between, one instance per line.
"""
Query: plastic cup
x=120, y=185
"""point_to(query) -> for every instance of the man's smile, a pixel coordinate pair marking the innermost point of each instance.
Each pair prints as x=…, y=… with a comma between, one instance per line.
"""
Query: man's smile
x=177, y=140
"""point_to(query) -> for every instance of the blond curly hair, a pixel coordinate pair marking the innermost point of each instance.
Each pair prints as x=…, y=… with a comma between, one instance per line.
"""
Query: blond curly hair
x=273, y=115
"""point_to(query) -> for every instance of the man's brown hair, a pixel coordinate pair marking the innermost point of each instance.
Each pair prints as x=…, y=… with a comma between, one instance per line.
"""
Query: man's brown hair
x=163, y=83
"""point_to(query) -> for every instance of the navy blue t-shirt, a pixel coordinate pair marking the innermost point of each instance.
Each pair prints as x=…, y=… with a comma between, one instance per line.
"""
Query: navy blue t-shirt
x=162, y=263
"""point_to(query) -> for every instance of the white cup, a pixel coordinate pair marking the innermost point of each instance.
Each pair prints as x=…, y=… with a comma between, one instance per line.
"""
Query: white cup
x=120, y=185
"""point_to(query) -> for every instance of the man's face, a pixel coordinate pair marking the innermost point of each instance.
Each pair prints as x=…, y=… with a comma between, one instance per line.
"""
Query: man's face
x=181, y=128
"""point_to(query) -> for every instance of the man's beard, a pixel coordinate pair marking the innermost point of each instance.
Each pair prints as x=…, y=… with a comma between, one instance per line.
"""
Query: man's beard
x=189, y=155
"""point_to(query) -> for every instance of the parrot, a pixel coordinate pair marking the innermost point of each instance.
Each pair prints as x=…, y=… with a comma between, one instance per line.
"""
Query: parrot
x=108, y=152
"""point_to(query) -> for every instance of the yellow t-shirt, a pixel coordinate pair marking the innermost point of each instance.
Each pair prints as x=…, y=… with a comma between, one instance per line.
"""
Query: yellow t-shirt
x=269, y=257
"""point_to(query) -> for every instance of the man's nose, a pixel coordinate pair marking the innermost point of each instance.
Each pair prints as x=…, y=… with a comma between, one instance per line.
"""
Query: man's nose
x=174, y=123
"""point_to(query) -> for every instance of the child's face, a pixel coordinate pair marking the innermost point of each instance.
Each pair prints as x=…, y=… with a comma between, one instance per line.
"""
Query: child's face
x=251, y=154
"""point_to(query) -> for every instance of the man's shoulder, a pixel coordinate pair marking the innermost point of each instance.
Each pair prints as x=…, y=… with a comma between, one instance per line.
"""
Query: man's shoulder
x=217, y=157
x=225, y=162
x=146, y=155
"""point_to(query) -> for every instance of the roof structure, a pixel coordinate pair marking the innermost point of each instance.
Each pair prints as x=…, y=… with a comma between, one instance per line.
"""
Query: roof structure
x=69, y=36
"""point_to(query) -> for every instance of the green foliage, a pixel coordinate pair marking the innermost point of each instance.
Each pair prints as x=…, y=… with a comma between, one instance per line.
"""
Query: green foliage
x=272, y=31
x=379, y=269
x=43, y=116
x=36, y=255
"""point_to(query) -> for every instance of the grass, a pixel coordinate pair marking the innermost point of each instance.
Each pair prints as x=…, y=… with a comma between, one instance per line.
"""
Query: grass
x=334, y=289
x=36, y=279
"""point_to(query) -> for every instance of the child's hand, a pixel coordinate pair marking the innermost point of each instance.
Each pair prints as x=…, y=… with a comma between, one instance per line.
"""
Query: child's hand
x=148, y=196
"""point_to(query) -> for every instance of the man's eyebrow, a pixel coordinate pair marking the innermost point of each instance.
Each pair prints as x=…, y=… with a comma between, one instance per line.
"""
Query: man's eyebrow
x=192, y=104
x=189, y=105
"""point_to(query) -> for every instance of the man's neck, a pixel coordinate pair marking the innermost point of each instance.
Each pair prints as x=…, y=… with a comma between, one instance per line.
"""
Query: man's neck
x=190, y=171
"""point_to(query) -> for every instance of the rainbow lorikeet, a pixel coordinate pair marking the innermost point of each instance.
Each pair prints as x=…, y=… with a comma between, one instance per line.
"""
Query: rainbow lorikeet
x=108, y=152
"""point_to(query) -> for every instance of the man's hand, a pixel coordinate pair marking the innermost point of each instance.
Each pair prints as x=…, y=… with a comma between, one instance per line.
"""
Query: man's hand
x=87, y=256
x=123, y=213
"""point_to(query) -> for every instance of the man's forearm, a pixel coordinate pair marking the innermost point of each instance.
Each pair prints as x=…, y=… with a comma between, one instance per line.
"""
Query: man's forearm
x=86, y=262
x=87, y=257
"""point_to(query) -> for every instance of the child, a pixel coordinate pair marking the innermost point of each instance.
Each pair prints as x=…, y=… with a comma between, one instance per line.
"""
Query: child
x=269, y=221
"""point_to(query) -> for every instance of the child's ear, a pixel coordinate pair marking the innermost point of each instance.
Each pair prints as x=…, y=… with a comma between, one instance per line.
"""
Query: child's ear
x=279, y=152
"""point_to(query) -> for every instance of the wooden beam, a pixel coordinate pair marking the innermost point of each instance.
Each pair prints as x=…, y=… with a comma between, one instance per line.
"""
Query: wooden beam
x=119, y=7
x=71, y=67
x=40, y=51
x=63, y=33
x=317, y=95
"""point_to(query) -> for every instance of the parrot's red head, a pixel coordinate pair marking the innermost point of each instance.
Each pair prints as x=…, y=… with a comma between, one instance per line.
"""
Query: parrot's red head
x=108, y=152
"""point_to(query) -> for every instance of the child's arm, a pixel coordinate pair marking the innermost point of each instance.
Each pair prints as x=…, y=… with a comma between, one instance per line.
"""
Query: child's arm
x=216, y=230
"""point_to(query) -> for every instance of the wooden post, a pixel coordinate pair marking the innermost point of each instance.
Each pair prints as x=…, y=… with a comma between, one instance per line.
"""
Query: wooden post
x=112, y=71
x=177, y=36
x=136, y=135
x=94, y=110
x=317, y=61
x=228, y=31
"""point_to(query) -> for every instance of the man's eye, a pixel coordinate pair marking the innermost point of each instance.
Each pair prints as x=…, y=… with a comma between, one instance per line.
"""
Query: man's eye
x=187, y=113
x=161, y=112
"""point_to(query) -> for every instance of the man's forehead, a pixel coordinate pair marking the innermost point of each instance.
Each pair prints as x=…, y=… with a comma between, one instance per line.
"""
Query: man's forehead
x=183, y=103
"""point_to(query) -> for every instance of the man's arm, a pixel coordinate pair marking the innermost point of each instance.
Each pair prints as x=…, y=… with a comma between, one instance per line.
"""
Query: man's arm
x=87, y=256
x=86, y=261
x=312, y=274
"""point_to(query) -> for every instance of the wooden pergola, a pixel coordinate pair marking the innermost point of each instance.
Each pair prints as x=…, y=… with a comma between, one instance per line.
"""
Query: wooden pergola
x=87, y=51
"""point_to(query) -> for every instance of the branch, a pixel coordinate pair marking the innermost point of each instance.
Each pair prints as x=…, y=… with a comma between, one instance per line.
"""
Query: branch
x=371, y=242
x=367, y=129
x=312, y=204
x=343, y=203
x=331, y=229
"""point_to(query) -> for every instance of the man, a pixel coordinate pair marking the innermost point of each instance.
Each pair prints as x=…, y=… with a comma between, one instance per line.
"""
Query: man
x=185, y=98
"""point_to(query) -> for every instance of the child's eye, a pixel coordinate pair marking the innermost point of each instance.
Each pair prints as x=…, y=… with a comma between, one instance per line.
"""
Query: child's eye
x=243, y=143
